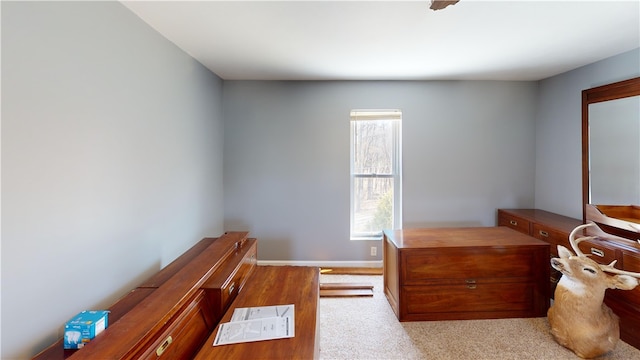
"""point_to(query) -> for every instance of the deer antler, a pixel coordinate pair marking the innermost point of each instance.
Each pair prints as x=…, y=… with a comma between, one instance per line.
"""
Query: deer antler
x=574, y=242
x=610, y=269
x=607, y=268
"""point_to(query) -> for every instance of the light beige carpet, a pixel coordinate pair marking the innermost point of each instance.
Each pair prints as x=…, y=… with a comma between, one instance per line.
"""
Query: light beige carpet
x=366, y=328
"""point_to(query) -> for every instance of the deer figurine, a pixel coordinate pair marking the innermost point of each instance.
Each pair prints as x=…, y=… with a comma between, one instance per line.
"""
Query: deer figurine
x=579, y=319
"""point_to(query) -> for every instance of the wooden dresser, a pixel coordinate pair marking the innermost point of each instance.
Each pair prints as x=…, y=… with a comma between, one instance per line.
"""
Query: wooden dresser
x=173, y=313
x=555, y=229
x=543, y=225
x=276, y=285
x=465, y=273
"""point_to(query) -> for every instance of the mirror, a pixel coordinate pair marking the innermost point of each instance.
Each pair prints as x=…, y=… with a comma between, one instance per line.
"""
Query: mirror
x=611, y=144
x=614, y=170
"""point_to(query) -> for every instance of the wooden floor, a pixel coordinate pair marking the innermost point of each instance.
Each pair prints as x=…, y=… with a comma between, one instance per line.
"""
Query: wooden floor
x=351, y=271
x=331, y=289
x=345, y=289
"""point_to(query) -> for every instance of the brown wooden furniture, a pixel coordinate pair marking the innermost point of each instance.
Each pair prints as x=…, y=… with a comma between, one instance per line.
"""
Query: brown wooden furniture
x=345, y=289
x=276, y=285
x=172, y=313
x=605, y=248
x=465, y=273
x=543, y=225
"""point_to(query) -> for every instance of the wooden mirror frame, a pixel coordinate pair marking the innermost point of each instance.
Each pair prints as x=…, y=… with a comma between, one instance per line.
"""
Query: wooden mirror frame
x=614, y=91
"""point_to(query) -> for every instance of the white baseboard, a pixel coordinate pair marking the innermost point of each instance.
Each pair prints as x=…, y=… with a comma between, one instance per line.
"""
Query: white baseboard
x=324, y=264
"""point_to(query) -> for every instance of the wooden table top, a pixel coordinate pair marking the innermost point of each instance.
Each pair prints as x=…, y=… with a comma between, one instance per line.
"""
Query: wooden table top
x=460, y=237
x=276, y=285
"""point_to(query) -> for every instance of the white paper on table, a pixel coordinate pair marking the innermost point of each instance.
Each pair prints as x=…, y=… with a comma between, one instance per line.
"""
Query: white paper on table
x=254, y=330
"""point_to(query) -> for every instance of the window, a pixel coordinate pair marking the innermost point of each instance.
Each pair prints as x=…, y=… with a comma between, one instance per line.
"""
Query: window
x=375, y=172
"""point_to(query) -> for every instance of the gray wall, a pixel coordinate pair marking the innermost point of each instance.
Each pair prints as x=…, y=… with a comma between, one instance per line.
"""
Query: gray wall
x=468, y=149
x=559, y=130
x=111, y=161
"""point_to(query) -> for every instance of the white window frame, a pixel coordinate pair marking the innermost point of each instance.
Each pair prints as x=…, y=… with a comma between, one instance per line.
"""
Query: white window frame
x=395, y=116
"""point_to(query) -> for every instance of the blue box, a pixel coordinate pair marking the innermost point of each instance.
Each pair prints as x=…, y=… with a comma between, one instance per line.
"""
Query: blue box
x=83, y=327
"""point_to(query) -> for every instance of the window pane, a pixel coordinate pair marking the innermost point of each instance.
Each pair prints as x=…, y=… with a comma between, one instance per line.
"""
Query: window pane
x=372, y=205
x=373, y=147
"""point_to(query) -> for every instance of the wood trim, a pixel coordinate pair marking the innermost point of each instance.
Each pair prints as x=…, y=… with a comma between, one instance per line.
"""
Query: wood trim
x=613, y=91
x=350, y=271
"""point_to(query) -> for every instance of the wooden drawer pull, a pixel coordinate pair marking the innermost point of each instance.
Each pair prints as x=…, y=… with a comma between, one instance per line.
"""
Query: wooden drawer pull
x=597, y=252
x=513, y=222
x=543, y=233
x=160, y=350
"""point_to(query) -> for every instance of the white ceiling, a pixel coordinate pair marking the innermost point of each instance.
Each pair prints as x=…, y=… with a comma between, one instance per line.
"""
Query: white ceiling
x=394, y=40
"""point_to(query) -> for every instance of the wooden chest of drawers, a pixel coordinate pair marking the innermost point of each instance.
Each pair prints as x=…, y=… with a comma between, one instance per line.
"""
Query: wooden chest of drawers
x=555, y=229
x=465, y=273
x=543, y=225
x=540, y=224
x=174, y=314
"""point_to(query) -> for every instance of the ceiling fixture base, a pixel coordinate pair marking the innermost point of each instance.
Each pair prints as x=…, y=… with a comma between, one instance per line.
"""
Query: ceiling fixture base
x=441, y=4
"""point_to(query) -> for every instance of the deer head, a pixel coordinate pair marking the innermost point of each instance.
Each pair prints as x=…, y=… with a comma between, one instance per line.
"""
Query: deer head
x=579, y=319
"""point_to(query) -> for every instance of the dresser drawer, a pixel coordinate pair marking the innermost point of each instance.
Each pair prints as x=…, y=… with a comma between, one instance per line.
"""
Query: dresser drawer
x=439, y=267
x=552, y=236
x=629, y=319
x=467, y=301
x=514, y=222
x=630, y=298
x=599, y=251
x=185, y=335
x=630, y=262
x=223, y=287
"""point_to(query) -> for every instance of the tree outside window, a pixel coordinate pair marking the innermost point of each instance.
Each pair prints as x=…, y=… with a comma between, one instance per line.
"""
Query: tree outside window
x=375, y=172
